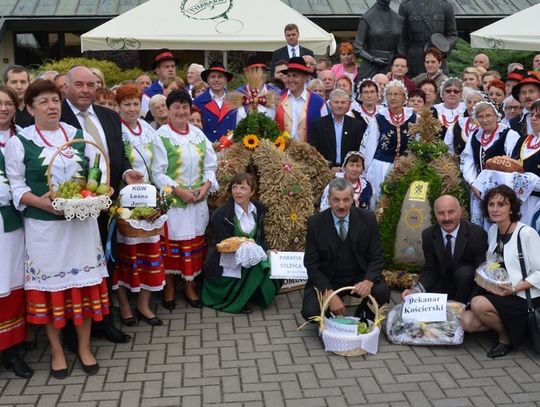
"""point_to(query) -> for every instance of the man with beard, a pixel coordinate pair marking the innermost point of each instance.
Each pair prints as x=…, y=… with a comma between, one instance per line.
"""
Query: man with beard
x=453, y=249
x=343, y=248
x=527, y=91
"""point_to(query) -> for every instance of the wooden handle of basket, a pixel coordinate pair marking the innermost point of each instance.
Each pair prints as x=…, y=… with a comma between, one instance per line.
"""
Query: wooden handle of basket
x=339, y=290
x=68, y=144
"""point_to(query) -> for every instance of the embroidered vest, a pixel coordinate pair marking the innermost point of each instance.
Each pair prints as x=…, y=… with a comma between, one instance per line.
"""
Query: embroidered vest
x=497, y=148
x=36, y=164
x=10, y=216
x=386, y=148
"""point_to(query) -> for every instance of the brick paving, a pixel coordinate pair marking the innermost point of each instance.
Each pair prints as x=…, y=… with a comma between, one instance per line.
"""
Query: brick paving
x=208, y=358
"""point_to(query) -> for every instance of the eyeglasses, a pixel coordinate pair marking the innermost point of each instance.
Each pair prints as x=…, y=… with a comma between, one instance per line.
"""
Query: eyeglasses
x=513, y=108
x=454, y=91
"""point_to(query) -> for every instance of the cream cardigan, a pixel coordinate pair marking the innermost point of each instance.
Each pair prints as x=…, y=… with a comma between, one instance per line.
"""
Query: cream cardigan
x=530, y=242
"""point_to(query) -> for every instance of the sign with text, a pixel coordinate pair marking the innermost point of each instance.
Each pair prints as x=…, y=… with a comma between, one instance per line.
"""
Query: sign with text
x=424, y=307
x=135, y=195
x=287, y=265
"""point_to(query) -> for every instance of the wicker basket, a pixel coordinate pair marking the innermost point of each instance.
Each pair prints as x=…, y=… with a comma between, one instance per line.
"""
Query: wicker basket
x=85, y=207
x=141, y=228
x=346, y=343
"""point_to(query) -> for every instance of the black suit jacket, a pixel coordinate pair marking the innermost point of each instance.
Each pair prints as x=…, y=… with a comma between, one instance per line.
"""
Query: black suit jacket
x=322, y=240
x=283, y=53
x=323, y=137
x=470, y=250
x=110, y=121
x=519, y=124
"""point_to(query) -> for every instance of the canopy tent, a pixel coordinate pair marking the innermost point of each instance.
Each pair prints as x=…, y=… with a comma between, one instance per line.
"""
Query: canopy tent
x=518, y=31
x=221, y=25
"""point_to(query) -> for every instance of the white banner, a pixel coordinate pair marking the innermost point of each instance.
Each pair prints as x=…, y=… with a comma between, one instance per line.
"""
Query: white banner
x=138, y=195
x=287, y=265
x=424, y=307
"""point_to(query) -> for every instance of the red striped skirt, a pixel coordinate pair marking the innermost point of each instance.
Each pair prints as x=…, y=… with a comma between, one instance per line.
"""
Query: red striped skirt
x=77, y=304
x=139, y=266
x=12, y=319
x=185, y=257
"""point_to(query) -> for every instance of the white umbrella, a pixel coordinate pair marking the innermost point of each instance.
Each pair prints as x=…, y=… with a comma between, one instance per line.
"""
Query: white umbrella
x=221, y=25
x=519, y=31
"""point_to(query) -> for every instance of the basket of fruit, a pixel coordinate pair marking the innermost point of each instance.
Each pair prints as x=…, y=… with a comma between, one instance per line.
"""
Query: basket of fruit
x=142, y=221
x=345, y=335
x=81, y=197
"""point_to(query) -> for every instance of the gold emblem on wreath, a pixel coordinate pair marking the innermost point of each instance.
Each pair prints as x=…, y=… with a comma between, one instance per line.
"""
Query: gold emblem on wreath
x=414, y=218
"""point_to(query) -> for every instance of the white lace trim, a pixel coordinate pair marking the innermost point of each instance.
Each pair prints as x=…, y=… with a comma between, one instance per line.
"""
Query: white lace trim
x=67, y=286
x=142, y=224
x=195, y=136
x=82, y=208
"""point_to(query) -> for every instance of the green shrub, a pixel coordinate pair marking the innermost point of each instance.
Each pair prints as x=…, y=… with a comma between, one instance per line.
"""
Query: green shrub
x=462, y=56
x=113, y=74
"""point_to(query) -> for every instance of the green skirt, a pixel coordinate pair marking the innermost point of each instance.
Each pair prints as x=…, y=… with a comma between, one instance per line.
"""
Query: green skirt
x=233, y=294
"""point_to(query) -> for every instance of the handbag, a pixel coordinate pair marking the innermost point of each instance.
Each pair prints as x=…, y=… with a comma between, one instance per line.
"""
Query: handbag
x=533, y=315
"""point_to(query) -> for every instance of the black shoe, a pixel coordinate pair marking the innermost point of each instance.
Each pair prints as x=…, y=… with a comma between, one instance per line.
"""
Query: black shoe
x=170, y=305
x=14, y=362
x=60, y=373
x=499, y=350
x=246, y=310
x=128, y=321
x=112, y=334
x=89, y=369
x=194, y=303
x=154, y=321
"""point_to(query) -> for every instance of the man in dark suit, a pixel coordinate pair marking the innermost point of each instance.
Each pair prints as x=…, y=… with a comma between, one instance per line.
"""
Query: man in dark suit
x=105, y=127
x=343, y=248
x=527, y=91
x=336, y=134
x=453, y=249
x=292, y=49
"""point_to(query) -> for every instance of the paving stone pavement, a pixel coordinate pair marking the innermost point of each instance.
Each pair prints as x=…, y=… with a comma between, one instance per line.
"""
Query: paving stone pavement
x=209, y=358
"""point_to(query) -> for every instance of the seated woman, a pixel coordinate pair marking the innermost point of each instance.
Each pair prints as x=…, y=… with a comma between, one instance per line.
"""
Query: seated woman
x=353, y=167
x=240, y=216
x=505, y=310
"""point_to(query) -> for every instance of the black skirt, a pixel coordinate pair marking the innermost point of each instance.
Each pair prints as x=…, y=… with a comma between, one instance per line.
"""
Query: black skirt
x=513, y=313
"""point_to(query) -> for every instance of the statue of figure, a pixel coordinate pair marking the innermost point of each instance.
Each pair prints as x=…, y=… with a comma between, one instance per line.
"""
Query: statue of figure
x=427, y=23
x=378, y=39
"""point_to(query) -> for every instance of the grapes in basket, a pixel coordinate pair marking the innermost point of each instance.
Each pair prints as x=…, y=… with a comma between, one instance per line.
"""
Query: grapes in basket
x=74, y=190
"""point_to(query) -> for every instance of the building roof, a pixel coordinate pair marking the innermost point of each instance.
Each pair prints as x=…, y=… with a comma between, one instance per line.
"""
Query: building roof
x=309, y=8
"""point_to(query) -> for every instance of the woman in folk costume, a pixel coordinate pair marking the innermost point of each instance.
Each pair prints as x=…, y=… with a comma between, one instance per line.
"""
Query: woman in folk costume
x=139, y=264
x=457, y=135
x=527, y=150
x=65, y=267
x=231, y=289
x=256, y=95
x=451, y=108
x=387, y=136
x=190, y=172
x=12, y=297
x=298, y=108
x=368, y=95
x=490, y=140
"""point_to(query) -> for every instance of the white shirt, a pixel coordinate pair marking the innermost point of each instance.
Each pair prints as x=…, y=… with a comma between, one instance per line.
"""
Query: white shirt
x=454, y=234
x=92, y=116
x=296, y=50
x=246, y=220
x=218, y=99
x=298, y=105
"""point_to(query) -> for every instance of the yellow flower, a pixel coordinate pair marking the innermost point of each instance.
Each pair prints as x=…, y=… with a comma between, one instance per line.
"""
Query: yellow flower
x=280, y=143
x=285, y=134
x=124, y=213
x=294, y=216
x=167, y=190
x=251, y=141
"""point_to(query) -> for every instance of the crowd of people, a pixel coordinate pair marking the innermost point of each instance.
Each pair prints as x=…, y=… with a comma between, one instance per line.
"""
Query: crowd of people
x=167, y=132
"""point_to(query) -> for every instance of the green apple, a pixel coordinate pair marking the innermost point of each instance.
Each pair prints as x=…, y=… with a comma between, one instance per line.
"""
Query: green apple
x=91, y=185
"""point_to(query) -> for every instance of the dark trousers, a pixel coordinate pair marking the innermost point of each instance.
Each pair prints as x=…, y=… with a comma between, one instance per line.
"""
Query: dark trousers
x=311, y=307
x=458, y=285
